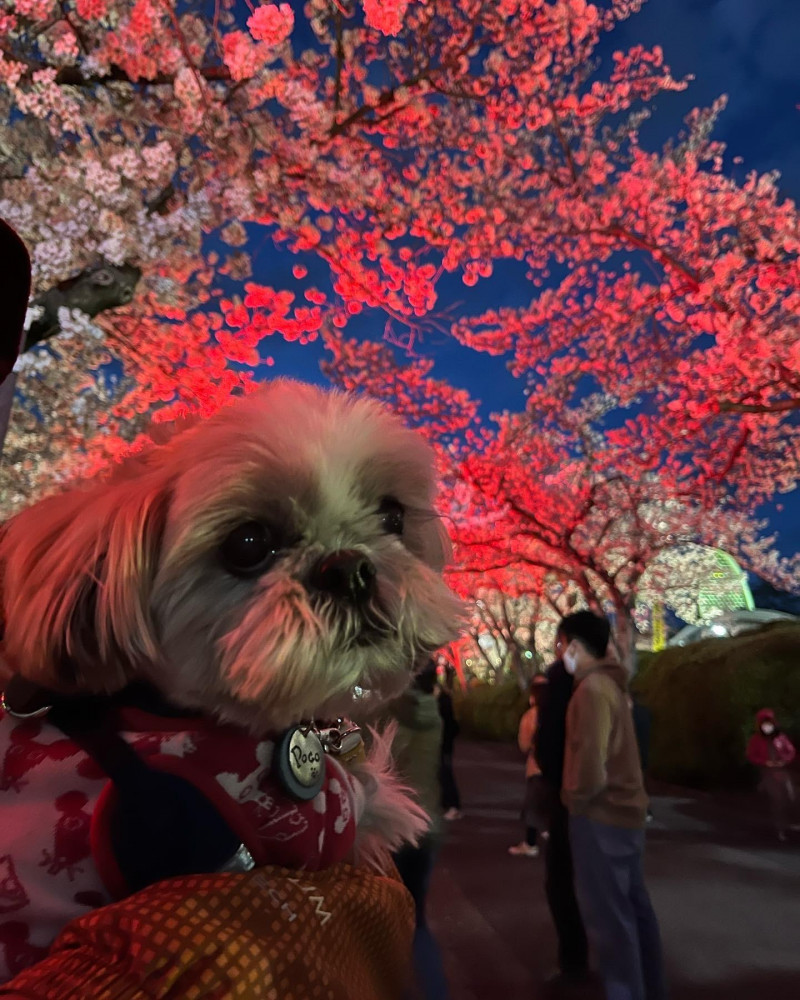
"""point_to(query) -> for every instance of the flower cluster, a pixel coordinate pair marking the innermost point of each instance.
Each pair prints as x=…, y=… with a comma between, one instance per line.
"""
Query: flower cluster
x=410, y=149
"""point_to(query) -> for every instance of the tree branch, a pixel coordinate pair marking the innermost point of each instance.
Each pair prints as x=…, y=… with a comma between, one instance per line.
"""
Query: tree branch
x=782, y=406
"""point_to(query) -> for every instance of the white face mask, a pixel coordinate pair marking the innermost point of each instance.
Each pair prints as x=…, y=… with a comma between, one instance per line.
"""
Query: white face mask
x=768, y=729
x=570, y=659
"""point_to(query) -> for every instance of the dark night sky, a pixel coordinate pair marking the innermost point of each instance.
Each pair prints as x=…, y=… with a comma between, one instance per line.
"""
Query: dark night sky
x=747, y=49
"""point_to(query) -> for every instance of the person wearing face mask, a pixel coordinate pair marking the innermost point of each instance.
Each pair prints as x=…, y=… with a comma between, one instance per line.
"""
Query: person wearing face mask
x=559, y=882
x=603, y=791
x=772, y=752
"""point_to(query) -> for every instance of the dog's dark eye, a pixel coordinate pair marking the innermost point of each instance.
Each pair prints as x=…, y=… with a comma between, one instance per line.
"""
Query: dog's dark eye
x=392, y=515
x=248, y=549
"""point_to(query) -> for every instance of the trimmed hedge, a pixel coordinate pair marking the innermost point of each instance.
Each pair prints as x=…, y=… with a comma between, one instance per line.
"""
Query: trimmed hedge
x=704, y=696
x=490, y=711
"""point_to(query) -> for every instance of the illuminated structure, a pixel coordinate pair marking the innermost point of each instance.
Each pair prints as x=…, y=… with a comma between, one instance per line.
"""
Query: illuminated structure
x=727, y=589
x=696, y=582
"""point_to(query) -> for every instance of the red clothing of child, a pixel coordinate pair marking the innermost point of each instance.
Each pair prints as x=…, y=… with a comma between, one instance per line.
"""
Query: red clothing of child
x=772, y=752
x=766, y=748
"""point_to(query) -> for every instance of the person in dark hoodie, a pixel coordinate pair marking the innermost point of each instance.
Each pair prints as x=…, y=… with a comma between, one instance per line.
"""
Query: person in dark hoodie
x=451, y=797
x=549, y=740
x=603, y=791
x=642, y=725
x=771, y=751
x=416, y=749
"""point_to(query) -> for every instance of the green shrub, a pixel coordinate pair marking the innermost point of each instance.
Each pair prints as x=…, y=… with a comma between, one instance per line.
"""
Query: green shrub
x=704, y=696
x=490, y=711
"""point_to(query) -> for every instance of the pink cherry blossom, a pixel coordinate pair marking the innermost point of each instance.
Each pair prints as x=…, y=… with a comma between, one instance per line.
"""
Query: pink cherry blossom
x=271, y=23
x=91, y=10
x=408, y=146
x=385, y=16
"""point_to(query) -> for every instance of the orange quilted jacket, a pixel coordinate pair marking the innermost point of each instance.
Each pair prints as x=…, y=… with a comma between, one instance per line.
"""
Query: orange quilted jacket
x=270, y=934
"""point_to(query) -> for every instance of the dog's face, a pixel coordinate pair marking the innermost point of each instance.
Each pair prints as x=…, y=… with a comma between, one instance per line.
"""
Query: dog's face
x=258, y=566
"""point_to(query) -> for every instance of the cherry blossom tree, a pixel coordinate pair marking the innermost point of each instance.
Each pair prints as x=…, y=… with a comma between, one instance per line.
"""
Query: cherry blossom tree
x=513, y=620
x=148, y=146
x=502, y=629
x=557, y=506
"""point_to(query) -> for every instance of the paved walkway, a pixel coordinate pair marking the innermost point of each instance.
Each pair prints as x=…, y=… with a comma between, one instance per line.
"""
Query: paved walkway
x=727, y=896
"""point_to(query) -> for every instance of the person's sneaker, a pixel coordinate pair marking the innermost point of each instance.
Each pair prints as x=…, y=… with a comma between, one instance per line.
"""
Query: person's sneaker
x=524, y=850
x=452, y=814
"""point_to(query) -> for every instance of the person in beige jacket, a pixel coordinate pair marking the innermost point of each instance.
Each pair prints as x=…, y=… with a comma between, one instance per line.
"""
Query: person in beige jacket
x=603, y=791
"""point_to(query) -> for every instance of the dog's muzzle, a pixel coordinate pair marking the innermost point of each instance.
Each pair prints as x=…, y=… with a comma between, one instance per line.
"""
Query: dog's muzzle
x=350, y=579
x=346, y=575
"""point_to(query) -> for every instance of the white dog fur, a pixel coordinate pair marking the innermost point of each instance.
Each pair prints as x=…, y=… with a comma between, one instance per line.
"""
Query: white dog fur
x=122, y=579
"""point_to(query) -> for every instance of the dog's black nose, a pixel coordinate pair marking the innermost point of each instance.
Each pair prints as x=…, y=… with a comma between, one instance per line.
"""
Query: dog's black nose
x=346, y=574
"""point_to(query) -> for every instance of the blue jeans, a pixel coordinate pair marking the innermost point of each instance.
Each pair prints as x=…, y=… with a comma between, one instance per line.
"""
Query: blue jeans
x=415, y=865
x=616, y=908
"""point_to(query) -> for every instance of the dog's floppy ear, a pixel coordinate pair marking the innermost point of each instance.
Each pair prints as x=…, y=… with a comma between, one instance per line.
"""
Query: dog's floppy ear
x=77, y=572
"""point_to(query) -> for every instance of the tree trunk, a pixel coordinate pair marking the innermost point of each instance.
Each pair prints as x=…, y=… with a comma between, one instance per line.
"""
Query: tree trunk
x=456, y=656
x=92, y=291
x=625, y=636
x=517, y=666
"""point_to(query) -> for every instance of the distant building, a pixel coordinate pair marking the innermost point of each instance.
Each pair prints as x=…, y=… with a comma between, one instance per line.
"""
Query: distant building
x=730, y=623
x=727, y=589
x=692, y=585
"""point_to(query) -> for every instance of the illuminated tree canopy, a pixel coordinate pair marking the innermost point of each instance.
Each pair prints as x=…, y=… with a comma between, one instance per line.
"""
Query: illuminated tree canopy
x=387, y=148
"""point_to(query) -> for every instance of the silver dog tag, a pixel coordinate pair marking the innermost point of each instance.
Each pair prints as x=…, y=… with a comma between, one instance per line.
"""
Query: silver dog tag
x=299, y=762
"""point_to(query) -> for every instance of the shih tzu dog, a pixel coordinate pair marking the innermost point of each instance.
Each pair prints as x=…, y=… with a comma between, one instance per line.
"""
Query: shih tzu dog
x=189, y=628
